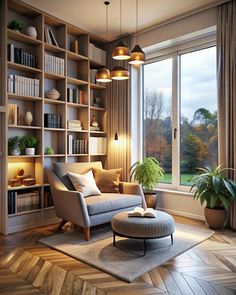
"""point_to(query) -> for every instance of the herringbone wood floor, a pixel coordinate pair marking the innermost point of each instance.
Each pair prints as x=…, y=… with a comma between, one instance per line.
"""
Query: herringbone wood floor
x=27, y=267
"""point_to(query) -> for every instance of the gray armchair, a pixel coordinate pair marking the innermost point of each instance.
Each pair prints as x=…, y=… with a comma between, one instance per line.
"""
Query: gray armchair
x=86, y=212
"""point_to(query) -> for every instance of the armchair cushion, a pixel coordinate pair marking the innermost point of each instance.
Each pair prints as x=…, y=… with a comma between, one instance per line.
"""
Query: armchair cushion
x=84, y=183
x=107, y=180
x=111, y=202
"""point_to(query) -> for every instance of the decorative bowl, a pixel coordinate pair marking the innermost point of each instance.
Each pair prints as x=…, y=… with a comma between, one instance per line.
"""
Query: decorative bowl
x=53, y=94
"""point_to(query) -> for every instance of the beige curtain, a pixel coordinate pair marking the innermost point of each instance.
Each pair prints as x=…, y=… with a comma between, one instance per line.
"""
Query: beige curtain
x=119, y=119
x=226, y=64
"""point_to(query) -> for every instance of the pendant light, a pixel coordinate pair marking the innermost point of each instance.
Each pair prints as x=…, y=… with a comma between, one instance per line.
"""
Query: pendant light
x=103, y=74
x=137, y=55
x=121, y=52
x=119, y=73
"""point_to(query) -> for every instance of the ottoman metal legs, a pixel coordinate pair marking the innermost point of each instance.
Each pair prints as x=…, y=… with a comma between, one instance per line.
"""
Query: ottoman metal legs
x=144, y=240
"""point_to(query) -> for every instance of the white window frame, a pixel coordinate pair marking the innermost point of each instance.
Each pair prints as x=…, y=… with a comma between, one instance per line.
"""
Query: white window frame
x=175, y=53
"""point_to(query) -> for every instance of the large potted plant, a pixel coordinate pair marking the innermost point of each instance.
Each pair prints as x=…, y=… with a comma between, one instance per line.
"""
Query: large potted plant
x=30, y=143
x=212, y=187
x=147, y=173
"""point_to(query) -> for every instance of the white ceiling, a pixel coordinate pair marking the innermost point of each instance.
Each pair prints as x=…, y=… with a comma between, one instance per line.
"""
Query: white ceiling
x=90, y=14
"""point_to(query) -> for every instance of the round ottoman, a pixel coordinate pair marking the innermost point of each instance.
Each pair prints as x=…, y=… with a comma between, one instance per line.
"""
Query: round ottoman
x=143, y=227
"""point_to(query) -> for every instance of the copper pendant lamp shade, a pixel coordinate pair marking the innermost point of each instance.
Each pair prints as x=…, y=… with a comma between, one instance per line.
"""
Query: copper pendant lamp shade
x=103, y=75
x=121, y=52
x=137, y=56
x=119, y=73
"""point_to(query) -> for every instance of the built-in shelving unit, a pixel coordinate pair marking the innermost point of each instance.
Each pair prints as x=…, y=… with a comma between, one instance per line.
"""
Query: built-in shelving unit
x=71, y=73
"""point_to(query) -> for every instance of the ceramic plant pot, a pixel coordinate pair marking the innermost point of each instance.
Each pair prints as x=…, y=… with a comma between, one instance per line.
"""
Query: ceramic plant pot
x=151, y=199
x=30, y=151
x=31, y=32
x=15, y=152
x=215, y=217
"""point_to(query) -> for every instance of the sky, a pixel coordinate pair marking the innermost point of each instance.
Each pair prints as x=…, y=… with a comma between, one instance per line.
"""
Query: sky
x=198, y=81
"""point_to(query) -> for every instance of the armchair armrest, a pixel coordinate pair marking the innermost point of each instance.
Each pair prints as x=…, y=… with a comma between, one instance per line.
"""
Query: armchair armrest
x=69, y=205
x=133, y=188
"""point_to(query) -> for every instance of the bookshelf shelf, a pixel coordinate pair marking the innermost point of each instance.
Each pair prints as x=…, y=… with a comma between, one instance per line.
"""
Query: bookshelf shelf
x=53, y=101
x=24, y=156
x=73, y=84
x=23, y=97
x=16, y=36
x=76, y=105
x=75, y=56
x=97, y=86
x=25, y=212
x=74, y=81
x=76, y=130
x=97, y=109
x=53, y=48
x=53, y=76
x=54, y=156
x=54, y=129
x=24, y=127
x=20, y=67
x=23, y=187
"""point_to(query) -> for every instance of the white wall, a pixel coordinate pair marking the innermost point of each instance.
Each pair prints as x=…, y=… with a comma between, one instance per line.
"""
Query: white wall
x=176, y=202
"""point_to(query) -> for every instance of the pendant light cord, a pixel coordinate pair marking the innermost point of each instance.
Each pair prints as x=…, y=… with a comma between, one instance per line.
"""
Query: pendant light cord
x=107, y=3
x=120, y=16
x=136, y=21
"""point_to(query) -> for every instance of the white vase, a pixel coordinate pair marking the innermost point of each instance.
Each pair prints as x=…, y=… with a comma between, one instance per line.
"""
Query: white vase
x=28, y=118
x=15, y=152
x=32, y=32
x=30, y=151
x=53, y=94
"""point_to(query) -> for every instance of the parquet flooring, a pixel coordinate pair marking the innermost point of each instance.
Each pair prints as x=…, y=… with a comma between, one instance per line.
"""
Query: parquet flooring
x=27, y=267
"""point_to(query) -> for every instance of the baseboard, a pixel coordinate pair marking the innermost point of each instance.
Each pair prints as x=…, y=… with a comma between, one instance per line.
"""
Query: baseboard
x=184, y=214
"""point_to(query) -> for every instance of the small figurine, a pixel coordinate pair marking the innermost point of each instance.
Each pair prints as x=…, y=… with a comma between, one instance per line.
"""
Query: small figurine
x=94, y=122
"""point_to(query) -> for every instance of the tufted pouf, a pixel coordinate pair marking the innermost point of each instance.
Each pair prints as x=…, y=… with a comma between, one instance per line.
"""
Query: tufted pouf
x=143, y=227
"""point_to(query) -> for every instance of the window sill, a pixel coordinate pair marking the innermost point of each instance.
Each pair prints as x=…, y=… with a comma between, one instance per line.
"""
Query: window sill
x=173, y=191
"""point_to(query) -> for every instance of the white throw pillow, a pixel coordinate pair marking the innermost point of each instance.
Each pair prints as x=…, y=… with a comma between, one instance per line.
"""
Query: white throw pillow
x=84, y=183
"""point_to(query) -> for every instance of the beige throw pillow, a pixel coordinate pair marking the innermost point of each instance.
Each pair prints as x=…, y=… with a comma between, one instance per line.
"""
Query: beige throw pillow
x=107, y=180
x=84, y=183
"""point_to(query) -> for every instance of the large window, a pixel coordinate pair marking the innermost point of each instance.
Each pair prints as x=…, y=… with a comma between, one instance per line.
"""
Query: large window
x=180, y=113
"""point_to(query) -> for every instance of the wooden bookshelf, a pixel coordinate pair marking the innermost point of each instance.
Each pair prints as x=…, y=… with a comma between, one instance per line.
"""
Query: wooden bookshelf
x=77, y=66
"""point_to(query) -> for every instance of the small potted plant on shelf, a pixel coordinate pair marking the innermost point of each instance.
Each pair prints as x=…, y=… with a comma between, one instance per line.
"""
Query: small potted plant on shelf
x=15, y=145
x=217, y=191
x=16, y=25
x=30, y=143
x=147, y=173
x=49, y=150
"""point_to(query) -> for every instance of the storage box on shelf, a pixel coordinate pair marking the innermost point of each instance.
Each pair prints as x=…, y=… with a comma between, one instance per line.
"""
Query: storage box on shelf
x=49, y=80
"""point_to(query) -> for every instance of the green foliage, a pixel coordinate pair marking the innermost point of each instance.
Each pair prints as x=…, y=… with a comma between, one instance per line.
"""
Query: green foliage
x=16, y=25
x=30, y=141
x=49, y=150
x=15, y=143
x=212, y=187
x=147, y=173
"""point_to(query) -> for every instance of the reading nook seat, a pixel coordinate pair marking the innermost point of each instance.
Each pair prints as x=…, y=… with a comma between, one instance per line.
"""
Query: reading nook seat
x=143, y=227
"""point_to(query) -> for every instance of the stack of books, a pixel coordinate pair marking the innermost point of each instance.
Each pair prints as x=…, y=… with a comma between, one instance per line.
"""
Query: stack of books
x=52, y=120
x=24, y=201
x=74, y=125
x=54, y=65
x=21, y=56
x=76, y=146
x=97, y=145
x=75, y=95
x=23, y=85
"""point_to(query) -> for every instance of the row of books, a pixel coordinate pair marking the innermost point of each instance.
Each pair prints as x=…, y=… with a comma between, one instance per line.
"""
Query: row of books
x=97, y=145
x=97, y=54
x=21, y=56
x=23, y=85
x=24, y=201
x=74, y=125
x=54, y=64
x=52, y=120
x=93, y=73
x=49, y=37
x=76, y=146
x=75, y=95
